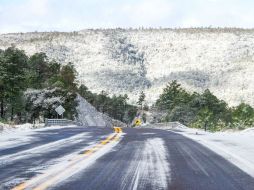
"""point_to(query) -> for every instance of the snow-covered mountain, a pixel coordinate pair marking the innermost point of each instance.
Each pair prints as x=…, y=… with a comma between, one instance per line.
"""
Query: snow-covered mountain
x=128, y=61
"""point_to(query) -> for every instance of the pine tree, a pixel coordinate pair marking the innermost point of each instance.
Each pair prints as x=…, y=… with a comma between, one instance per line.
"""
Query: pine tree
x=141, y=99
x=172, y=95
x=68, y=76
x=15, y=64
x=38, y=70
x=3, y=74
x=244, y=114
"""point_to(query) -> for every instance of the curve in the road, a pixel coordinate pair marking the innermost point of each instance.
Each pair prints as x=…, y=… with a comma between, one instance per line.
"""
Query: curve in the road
x=148, y=159
x=145, y=159
x=74, y=164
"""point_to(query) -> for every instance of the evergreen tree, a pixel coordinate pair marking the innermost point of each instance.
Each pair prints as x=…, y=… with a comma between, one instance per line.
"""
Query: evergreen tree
x=141, y=99
x=102, y=102
x=172, y=95
x=68, y=76
x=3, y=75
x=243, y=115
x=197, y=110
x=39, y=70
x=85, y=93
x=115, y=106
x=15, y=64
x=19, y=72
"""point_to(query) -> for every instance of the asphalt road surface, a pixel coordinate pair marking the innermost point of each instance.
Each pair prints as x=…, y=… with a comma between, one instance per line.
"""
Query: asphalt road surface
x=139, y=159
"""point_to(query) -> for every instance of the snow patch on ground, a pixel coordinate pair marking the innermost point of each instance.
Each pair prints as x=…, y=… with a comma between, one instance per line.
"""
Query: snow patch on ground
x=44, y=148
x=6, y=129
x=150, y=164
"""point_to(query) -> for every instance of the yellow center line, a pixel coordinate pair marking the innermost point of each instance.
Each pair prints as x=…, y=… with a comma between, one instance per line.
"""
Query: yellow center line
x=20, y=186
x=118, y=129
x=46, y=184
x=93, y=149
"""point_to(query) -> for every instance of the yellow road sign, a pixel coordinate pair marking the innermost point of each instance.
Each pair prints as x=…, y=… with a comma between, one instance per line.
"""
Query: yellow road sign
x=138, y=122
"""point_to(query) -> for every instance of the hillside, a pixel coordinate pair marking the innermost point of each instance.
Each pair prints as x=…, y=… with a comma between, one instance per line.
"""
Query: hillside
x=128, y=61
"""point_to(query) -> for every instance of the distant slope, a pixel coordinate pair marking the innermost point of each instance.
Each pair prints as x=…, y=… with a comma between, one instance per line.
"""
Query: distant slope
x=89, y=116
x=128, y=61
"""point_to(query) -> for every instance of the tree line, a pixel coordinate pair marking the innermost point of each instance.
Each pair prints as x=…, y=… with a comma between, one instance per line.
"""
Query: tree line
x=31, y=87
x=49, y=80
x=203, y=110
x=114, y=106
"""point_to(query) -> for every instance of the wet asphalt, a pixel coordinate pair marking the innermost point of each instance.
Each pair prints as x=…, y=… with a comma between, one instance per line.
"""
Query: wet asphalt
x=143, y=159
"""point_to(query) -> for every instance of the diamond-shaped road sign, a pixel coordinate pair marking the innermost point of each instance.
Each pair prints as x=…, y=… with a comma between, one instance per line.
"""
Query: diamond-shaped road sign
x=60, y=110
x=138, y=122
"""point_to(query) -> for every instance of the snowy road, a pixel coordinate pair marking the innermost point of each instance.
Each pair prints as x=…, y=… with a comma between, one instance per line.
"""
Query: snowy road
x=42, y=149
x=92, y=158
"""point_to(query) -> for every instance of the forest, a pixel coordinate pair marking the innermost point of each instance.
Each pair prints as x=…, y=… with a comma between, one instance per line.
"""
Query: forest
x=203, y=110
x=31, y=87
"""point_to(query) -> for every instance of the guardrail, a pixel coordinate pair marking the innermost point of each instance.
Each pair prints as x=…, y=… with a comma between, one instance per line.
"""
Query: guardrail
x=165, y=125
x=61, y=122
x=172, y=124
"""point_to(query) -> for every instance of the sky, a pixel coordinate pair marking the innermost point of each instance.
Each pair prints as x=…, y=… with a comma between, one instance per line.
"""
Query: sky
x=73, y=15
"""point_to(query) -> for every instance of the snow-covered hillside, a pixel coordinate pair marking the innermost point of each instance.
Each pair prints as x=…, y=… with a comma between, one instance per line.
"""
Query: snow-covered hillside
x=89, y=116
x=128, y=61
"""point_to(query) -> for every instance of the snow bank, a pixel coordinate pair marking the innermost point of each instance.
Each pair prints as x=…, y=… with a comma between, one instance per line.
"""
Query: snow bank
x=20, y=134
x=117, y=123
x=5, y=128
x=249, y=131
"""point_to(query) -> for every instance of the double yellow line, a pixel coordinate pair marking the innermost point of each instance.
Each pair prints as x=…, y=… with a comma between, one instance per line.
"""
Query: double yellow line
x=110, y=138
x=46, y=184
x=118, y=129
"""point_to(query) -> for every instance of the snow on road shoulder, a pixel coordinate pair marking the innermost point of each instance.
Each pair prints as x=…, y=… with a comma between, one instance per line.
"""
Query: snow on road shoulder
x=21, y=134
x=45, y=148
x=68, y=166
x=236, y=147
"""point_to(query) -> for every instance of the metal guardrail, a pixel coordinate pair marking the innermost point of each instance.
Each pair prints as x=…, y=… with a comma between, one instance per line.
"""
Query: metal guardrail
x=61, y=122
x=165, y=125
x=172, y=124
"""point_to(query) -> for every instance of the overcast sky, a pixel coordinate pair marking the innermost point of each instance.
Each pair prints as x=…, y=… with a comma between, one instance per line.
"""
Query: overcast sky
x=70, y=15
